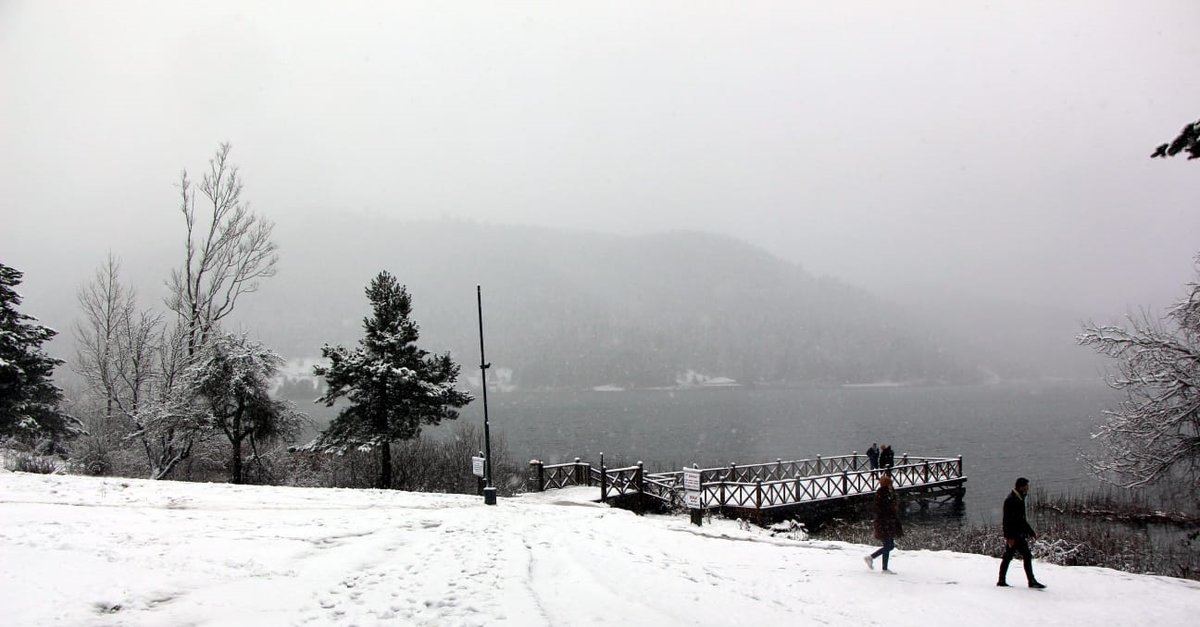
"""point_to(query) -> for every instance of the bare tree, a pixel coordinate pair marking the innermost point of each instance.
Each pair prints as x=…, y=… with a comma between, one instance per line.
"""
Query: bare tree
x=1154, y=433
x=168, y=422
x=141, y=370
x=140, y=344
x=228, y=250
x=132, y=365
x=106, y=306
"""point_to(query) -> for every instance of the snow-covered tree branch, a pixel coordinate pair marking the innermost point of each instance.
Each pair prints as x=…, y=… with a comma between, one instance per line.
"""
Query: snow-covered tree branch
x=233, y=376
x=1154, y=432
x=226, y=253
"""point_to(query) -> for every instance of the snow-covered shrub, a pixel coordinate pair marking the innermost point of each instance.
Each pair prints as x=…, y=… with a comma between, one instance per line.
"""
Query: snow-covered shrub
x=943, y=537
x=21, y=461
x=93, y=452
x=428, y=463
x=790, y=529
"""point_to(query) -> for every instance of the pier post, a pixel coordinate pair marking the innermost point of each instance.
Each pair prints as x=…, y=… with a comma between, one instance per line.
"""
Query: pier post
x=818, y=464
x=855, y=458
x=960, y=466
x=603, y=479
x=758, y=495
x=539, y=473
x=927, y=471
x=640, y=488
x=845, y=484
x=578, y=474
x=797, y=488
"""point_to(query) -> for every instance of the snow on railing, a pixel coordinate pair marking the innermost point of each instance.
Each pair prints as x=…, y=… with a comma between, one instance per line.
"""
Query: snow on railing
x=754, y=486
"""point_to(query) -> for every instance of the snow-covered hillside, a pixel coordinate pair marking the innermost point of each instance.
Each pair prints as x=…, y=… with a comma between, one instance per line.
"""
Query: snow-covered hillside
x=86, y=551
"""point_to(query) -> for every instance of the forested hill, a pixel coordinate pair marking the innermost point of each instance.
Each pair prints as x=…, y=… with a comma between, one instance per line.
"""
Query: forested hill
x=567, y=308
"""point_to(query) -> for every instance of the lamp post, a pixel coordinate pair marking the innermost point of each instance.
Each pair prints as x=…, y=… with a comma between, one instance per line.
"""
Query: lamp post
x=489, y=491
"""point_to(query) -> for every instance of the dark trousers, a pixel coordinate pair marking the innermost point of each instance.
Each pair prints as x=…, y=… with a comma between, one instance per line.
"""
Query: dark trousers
x=888, y=545
x=1020, y=546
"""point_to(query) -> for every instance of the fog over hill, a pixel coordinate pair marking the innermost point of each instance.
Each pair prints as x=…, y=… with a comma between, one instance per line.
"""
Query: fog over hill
x=983, y=167
x=570, y=308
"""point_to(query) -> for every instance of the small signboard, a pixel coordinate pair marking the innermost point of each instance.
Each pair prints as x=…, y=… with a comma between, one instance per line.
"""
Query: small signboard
x=477, y=466
x=692, y=500
x=691, y=479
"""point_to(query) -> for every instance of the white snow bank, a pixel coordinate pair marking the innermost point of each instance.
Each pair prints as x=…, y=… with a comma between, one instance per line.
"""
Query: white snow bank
x=87, y=551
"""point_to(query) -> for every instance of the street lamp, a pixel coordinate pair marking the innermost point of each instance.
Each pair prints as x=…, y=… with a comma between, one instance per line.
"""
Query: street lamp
x=489, y=491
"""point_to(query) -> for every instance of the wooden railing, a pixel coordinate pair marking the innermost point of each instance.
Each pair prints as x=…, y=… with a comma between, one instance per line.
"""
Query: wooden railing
x=757, y=486
x=548, y=476
x=761, y=487
x=617, y=482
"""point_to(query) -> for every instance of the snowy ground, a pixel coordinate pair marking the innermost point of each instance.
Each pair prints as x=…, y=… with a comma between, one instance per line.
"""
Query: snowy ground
x=86, y=551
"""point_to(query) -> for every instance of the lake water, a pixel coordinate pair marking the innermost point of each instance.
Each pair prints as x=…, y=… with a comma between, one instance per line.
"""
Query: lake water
x=1002, y=431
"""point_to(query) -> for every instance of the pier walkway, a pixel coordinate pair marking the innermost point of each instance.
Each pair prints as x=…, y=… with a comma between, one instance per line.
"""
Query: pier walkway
x=762, y=492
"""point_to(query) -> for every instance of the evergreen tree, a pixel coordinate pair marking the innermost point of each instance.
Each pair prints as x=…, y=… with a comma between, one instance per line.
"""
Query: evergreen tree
x=233, y=377
x=393, y=386
x=1188, y=140
x=28, y=398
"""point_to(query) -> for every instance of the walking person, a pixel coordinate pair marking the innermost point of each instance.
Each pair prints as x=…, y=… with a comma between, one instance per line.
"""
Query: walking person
x=873, y=455
x=887, y=523
x=1017, y=534
x=887, y=457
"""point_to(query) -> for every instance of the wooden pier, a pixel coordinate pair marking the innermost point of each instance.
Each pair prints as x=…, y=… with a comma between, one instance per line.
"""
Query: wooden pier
x=804, y=488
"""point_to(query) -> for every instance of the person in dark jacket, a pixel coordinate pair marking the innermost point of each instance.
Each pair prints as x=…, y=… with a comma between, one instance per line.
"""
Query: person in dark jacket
x=887, y=523
x=887, y=457
x=873, y=455
x=1017, y=534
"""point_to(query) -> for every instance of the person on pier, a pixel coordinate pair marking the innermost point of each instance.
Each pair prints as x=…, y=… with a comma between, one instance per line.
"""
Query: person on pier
x=887, y=523
x=887, y=457
x=873, y=456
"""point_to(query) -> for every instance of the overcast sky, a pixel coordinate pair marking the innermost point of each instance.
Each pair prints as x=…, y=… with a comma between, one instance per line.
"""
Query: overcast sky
x=999, y=148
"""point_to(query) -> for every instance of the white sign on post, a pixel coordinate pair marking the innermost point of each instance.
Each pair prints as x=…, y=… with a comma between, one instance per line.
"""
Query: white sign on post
x=691, y=486
x=477, y=466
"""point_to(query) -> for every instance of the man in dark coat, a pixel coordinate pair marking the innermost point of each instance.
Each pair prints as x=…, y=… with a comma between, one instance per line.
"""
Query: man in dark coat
x=873, y=455
x=1017, y=534
x=887, y=457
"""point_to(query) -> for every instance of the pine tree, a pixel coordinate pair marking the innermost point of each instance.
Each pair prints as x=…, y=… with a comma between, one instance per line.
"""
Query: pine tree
x=28, y=398
x=1188, y=140
x=394, y=387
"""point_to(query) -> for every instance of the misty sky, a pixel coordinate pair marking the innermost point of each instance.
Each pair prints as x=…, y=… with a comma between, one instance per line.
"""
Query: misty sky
x=995, y=149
